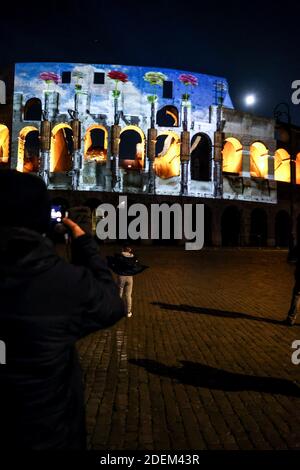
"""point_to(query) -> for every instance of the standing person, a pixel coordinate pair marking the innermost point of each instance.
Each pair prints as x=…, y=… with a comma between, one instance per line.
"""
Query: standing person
x=126, y=265
x=46, y=305
x=125, y=281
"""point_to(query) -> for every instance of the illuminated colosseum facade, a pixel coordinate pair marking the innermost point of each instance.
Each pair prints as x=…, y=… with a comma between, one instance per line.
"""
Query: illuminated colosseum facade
x=94, y=131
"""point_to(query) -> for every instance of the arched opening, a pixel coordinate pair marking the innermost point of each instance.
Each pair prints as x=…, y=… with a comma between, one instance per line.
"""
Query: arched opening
x=61, y=149
x=2, y=92
x=282, y=228
x=28, y=150
x=231, y=226
x=201, y=147
x=167, y=116
x=259, y=160
x=258, y=228
x=167, y=160
x=132, y=148
x=282, y=167
x=33, y=110
x=4, y=143
x=95, y=143
x=232, y=156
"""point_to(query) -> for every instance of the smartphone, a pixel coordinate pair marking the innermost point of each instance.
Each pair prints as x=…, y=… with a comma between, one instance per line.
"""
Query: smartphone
x=57, y=214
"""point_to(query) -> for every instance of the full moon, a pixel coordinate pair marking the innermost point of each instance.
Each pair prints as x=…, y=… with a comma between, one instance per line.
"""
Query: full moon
x=250, y=100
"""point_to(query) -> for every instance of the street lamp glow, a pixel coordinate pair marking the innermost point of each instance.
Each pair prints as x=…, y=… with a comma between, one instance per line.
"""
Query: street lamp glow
x=250, y=100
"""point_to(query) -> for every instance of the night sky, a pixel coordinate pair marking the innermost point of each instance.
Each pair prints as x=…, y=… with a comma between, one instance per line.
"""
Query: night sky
x=255, y=45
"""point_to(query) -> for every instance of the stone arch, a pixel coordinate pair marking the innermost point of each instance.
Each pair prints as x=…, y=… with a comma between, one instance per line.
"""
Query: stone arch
x=132, y=148
x=2, y=92
x=258, y=227
x=201, y=155
x=167, y=116
x=61, y=148
x=28, y=150
x=167, y=160
x=4, y=143
x=96, y=143
x=231, y=226
x=33, y=110
x=282, y=228
x=232, y=156
x=282, y=167
x=259, y=160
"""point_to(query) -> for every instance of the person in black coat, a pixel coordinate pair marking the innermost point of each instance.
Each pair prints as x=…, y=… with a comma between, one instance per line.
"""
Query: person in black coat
x=46, y=305
x=126, y=265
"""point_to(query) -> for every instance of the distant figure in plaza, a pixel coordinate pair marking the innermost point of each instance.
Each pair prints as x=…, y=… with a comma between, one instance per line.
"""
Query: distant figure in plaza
x=126, y=265
x=46, y=305
x=295, y=302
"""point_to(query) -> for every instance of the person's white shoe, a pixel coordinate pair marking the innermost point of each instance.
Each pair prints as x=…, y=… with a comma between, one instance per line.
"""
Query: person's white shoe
x=129, y=314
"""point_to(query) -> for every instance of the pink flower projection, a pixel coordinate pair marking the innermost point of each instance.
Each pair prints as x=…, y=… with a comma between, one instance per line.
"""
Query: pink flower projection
x=49, y=77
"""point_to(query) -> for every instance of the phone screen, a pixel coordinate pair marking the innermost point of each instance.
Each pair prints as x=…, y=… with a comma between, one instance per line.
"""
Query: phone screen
x=56, y=214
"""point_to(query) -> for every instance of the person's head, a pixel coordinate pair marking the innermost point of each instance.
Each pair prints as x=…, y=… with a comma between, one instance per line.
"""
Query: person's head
x=126, y=249
x=24, y=201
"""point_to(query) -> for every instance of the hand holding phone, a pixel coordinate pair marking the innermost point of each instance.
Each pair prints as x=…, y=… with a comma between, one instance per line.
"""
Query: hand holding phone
x=74, y=228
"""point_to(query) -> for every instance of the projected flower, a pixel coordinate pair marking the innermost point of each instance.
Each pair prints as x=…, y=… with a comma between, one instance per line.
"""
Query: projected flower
x=117, y=77
x=49, y=77
x=155, y=79
x=188, y=80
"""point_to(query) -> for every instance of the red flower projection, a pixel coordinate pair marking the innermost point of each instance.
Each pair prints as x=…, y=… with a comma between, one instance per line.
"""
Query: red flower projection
x=188, y=79
x=49, y=77
x=119, y=76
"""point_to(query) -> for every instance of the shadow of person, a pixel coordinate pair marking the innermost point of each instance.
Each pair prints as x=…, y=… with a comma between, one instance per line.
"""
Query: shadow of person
x=202, y=375
x=215, y=312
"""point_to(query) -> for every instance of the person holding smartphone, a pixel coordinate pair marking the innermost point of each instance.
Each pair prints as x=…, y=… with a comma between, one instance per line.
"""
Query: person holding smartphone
x=47, y=304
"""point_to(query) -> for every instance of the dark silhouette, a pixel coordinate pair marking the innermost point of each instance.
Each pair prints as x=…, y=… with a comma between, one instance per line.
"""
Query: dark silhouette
x=202, y=375
x=46, y=305
x=215, y=312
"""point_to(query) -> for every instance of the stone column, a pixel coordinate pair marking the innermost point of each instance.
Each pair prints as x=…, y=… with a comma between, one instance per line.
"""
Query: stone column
x=184, y=160
x=218, y=164
x=45, y=139
x=115, y=144
x=151, y=148
x=246, y=167
x=17, y=107
x=77, y=157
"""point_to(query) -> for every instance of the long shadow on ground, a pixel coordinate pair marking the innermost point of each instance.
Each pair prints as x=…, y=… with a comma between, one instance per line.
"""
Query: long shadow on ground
x=201, y=375
x=215, y=312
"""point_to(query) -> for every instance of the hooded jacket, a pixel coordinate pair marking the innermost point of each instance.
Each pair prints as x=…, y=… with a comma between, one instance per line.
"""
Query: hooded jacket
x=46, y=305
x=125, y=264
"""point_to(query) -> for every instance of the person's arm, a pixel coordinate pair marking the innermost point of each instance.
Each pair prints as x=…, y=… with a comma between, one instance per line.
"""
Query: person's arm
x=101, y=303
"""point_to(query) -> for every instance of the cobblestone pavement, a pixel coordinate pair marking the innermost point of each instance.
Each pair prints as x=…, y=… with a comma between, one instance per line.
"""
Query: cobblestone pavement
x=204, y=363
